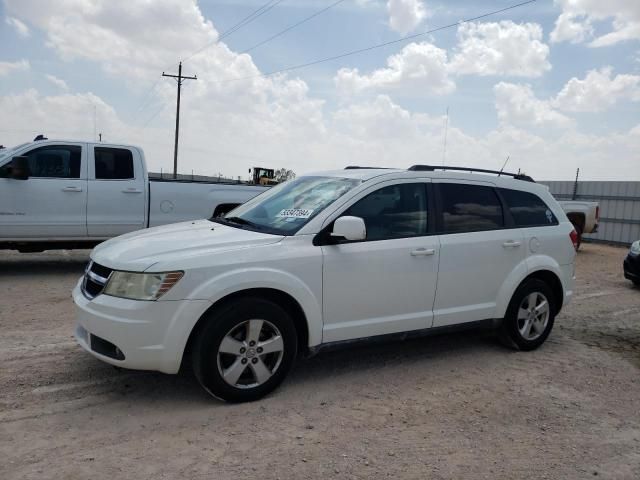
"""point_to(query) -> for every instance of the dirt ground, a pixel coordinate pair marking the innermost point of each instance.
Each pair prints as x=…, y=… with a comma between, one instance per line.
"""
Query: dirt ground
x=458, y=406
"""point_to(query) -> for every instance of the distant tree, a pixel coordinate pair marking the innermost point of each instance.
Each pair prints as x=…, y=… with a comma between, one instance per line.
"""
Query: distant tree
x=283, y=174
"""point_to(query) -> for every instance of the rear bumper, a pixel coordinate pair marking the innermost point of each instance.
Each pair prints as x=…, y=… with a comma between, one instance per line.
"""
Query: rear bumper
x=136, y=334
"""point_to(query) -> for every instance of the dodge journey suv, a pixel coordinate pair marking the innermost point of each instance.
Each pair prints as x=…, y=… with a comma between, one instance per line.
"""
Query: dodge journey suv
x=329, y=258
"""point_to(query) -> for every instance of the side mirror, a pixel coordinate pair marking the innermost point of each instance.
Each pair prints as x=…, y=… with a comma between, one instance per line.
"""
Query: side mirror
x=349, y=228
x=19, y=168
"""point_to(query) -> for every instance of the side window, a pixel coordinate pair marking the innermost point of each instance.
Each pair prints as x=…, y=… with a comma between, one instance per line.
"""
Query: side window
x=396, y=211
x=55, y=161
x=113, y=163
x=527, y=209
x=469, y=208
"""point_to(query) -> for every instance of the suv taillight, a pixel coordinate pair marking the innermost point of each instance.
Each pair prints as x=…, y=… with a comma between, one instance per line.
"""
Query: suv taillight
x=597, y=213
x=574, y=238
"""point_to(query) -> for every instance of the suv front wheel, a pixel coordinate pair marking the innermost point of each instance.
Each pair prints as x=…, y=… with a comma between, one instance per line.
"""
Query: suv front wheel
x=245, y=349
x=530, y=315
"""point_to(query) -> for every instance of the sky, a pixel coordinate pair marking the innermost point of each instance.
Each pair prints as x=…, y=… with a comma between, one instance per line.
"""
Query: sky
x=553, y=85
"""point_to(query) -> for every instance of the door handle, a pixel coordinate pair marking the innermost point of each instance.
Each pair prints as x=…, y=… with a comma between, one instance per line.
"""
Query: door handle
x=131, y=190
x=72, y=189
x=511, y=244
x=423, y=252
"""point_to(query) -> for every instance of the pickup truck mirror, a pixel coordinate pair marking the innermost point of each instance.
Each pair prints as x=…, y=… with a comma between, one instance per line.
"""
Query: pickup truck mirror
x=19, y=168
x=349, y=228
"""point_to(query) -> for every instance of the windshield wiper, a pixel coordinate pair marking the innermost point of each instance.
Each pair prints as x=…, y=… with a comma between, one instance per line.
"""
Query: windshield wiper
x=241, y=221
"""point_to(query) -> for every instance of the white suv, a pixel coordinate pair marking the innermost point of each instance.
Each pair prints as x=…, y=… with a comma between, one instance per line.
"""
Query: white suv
x=328, y=258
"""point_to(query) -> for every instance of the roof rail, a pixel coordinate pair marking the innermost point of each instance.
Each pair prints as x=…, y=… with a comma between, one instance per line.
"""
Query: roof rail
x=356, y=167
x=431, y=168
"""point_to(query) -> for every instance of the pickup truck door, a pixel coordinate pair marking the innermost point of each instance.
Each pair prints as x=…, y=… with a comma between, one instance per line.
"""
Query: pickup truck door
x=52, y=202
x=117, y=191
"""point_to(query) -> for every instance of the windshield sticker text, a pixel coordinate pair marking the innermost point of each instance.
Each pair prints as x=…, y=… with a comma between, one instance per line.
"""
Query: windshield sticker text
x=295, y=213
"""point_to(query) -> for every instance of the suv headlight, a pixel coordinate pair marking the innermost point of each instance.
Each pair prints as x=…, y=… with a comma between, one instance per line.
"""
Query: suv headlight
x=141, y=286
x=635, y=248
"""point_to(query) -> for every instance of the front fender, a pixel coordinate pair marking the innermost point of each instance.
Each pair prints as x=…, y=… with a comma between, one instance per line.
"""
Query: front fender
x=526, y=267
x=234, y=281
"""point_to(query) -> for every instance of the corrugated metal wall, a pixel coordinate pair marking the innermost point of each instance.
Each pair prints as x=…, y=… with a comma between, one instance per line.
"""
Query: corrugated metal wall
x=619, y=207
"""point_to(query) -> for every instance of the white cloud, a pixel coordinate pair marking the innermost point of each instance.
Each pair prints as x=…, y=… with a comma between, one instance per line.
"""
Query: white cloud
x=62, y=116
x=576, y=22
x=501, y=48
x=127, y=37
x=21, y=29
x=571, y=28
x=58, y=82
x=375, y=132
x=406, y=15
x=597, y=91
x=8, y=67
x=422, y=66
x=516, y=104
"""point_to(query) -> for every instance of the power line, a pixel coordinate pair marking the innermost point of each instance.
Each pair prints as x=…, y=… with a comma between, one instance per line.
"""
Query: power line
x=258, y=13
x=379, y=45
x=291, y=27
x=245, y=21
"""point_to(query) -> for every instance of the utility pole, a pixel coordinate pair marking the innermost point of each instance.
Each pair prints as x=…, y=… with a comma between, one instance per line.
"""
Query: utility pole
x=446, y=128
x=179, y=78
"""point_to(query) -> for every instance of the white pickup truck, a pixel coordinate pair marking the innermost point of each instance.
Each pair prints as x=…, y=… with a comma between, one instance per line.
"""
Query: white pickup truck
x=583, y=215
x=76, y=194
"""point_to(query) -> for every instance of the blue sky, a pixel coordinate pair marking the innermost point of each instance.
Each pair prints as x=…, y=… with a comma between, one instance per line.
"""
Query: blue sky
x=315, y=117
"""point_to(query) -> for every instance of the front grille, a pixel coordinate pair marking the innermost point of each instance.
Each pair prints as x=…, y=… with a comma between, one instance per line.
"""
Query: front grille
x=95, y=279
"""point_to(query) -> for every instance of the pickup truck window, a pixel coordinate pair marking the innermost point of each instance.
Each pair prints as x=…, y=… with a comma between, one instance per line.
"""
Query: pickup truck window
x=113, y=163
x=55, y=161
x=527, y=209
x=286, y=208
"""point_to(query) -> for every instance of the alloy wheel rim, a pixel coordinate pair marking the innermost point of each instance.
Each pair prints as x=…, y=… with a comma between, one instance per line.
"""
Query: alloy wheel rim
x=250, y=353
x=533, y=316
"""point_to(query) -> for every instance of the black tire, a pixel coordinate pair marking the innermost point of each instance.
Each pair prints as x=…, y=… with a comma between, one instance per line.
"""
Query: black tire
x=207, y=359
x=579, y=232
x=510, y=325
x=636, y=283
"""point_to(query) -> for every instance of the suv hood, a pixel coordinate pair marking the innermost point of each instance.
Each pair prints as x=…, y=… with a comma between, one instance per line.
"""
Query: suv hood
x=138, y=251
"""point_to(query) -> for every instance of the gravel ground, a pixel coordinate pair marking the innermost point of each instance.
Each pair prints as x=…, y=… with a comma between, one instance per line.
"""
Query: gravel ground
x=456, y=406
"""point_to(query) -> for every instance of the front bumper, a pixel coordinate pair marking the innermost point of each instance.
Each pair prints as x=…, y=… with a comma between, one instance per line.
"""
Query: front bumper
x=631, y=267
x=136, y=334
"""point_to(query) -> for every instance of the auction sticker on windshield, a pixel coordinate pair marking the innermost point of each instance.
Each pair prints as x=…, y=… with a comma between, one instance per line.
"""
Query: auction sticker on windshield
x=295, y=213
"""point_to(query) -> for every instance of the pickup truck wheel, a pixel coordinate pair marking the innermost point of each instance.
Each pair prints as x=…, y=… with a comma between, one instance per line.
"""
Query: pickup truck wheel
x=530, y=315
x=245, y=350
x=579, y=242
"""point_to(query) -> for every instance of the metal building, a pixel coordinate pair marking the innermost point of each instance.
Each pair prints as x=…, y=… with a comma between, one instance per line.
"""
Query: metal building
x=619, y=207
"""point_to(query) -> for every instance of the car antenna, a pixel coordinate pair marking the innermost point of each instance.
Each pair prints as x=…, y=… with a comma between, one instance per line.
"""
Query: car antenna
x=504, y=165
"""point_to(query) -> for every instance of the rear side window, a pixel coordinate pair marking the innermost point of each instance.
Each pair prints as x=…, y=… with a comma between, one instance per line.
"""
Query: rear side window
x=113, y=163
x=55, y=161
x=469, y=208
x=527, y=209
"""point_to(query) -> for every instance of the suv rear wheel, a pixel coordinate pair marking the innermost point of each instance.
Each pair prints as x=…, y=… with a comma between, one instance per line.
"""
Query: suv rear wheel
x=245, y=350
x=530, y=315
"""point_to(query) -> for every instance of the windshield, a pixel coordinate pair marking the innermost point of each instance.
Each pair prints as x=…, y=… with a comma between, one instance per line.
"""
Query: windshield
x=286, y=208
x=5, y=152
